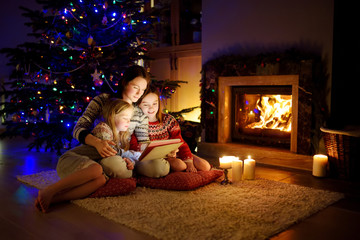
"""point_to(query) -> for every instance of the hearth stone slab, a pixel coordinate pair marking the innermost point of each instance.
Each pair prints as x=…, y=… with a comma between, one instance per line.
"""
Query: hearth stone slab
x=262, y=155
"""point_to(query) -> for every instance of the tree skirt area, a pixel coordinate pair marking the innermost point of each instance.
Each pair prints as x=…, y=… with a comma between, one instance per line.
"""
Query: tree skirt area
x=251, y=209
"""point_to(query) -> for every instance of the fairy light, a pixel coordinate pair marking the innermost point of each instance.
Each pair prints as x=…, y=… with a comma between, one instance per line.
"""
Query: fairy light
x=73, y=15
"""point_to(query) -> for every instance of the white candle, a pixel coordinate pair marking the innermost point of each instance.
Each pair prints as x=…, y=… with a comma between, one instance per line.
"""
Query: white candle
x=320, y=163
x=226, y=161
x=230, y=175
x=249, y=169
x=237, y=170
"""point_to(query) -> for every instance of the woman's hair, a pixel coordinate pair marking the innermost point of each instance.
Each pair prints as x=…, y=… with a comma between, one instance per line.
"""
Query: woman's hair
x=153, y=89
x=129, y=74
x=112, y=107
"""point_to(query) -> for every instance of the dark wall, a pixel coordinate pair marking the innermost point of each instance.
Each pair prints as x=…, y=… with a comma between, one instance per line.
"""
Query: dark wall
x=13, y=30
x=345, y=96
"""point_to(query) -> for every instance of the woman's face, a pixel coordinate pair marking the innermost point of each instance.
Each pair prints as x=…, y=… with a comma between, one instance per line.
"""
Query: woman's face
x=150, y=106
x=134, y=89
x=122, y=119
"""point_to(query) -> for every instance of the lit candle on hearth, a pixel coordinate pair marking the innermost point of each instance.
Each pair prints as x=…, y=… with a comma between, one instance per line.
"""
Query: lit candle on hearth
x=320, y=163
x=237, y=170
x=249, y=168
x=226, y=161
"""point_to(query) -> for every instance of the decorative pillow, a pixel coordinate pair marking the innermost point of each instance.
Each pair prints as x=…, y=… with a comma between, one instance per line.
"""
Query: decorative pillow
x=181, y=180
x=115, y=187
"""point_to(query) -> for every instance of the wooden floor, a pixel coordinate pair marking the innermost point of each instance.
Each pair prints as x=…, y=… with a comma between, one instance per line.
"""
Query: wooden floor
x=20, y=220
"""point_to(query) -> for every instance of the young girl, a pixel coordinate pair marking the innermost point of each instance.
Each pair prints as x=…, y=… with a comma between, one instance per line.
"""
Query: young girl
x=81, y=168
x=131, y=87
x=165, y=126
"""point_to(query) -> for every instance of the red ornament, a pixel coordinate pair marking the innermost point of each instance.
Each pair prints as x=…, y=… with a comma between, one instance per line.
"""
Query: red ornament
x=98, y=82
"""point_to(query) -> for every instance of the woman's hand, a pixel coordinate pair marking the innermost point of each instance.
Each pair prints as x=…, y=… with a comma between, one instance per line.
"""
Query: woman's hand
x=129, y=164
x=104, y=148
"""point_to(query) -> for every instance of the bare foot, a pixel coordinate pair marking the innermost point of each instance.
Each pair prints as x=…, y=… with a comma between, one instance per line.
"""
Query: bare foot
x=43, y=200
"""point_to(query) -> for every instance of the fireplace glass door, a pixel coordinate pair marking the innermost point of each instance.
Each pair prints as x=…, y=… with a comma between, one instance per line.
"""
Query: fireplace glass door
x=262, y=115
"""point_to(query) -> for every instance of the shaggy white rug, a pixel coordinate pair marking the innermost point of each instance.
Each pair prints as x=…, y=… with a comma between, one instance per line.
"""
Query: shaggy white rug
x=254, y=209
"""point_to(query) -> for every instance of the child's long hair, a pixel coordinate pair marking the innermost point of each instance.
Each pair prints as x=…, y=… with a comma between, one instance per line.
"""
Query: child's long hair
x=112, y=107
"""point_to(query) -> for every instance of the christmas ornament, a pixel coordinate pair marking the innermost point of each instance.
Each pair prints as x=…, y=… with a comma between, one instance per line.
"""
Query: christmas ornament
x=90, y=41
x=104, y=20
x=16, y=118
x=96, y=78
x=98, y=82
x=69, y=35
x=105, y=6
x=35, y=112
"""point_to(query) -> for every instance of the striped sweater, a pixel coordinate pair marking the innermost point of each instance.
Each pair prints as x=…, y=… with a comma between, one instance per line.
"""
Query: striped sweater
x=139, y=124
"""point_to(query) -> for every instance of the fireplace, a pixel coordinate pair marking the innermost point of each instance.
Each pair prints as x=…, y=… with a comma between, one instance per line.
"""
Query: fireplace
x=259, y=110
x=262, y=115
x=300, y=72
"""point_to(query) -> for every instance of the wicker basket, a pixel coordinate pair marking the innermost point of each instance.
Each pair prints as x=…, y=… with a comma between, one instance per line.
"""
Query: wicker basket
x=343, y=150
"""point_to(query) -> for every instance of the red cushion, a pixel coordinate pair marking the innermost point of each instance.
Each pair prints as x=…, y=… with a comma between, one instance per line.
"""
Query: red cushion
x=181, y=180
x=115, y=187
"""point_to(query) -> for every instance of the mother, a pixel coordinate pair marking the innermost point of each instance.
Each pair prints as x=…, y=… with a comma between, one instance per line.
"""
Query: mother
x=132, y=86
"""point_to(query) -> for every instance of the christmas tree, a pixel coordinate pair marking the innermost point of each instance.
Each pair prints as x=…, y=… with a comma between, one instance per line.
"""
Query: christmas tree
x=82, y=50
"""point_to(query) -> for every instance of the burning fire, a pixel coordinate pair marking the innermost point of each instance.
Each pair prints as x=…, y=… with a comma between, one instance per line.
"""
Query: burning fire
x=275, y=113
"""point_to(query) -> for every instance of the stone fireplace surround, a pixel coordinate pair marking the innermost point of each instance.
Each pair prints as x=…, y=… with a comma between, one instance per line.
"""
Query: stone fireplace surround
x=217, y=78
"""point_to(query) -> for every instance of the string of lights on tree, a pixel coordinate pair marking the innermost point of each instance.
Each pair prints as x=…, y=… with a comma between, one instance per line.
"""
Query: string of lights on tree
x=82, y=49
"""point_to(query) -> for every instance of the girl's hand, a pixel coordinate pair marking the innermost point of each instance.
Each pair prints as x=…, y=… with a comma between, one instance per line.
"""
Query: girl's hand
x=129, y=164
x=104, y=148
x=172, y=154
x=141, y=146
x=190, y=167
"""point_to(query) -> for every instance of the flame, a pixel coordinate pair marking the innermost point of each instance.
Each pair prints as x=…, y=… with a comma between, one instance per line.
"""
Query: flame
x=275, y=113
